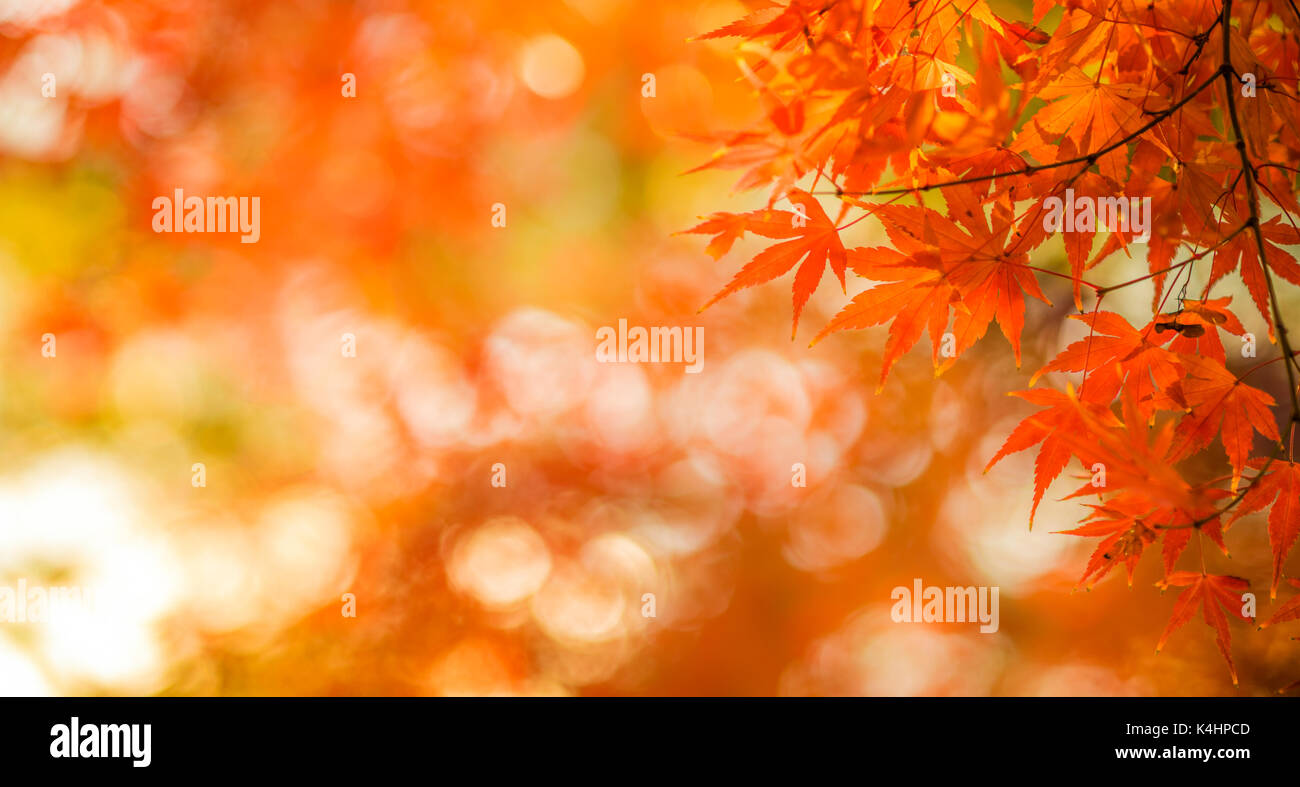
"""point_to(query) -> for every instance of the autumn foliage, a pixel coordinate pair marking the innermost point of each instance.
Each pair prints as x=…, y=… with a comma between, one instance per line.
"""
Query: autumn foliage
x=956, y=129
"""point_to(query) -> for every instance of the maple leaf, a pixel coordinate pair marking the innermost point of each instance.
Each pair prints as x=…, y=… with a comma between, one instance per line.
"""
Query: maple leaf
x=765, y=157
x=1094, y=114
x=763, y=21
x=1211, y=592
x=1279, y=484
x=913, y=296
x=990, y=274
x=813, y=238
x=974, y=125
x=1134, y=518
x=992, y=285
x=1133, y=456
x=1288, y=611
x=731, y=227
x=1122, y=524
x=1113, y=352
x=1078, y=37
x=1047, y=426
x=1242, y=253
x=1221, y=404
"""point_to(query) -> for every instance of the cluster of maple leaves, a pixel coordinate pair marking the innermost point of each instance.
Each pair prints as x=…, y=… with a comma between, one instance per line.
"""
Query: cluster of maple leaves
x=952, y=126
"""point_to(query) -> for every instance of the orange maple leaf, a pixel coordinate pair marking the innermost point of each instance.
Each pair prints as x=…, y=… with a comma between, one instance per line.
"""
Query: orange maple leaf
x=1061, y=417
x=1211, y=592
x=1280, y=485
x=1242, y=252
x=985, y=266
x=1221, y=404
x=913, y=295
x=1125, y=527
x=1288, y=611
x=813, y=238
x=1113, y=352
x=1094, y=114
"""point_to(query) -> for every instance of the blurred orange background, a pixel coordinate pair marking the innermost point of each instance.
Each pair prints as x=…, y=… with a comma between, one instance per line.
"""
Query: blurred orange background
x=372, y=475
